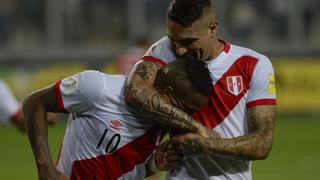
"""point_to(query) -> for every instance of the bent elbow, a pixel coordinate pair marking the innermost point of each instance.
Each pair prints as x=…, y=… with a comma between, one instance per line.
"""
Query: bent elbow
x=263, y=156
x=263, y=153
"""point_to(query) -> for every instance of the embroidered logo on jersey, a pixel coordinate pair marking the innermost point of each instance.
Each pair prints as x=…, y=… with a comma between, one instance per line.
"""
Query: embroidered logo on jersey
x=235, y=84
x=271, y=84
x=116, y=124
x=71, y=84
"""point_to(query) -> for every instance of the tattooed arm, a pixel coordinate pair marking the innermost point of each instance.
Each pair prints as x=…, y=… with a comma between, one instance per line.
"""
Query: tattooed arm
x=256, y=145
x=141, y=93
x=35, y=108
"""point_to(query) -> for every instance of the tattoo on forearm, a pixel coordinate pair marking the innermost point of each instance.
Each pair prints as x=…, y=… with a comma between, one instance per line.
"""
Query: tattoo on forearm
x=256, y=145
x=168, y=114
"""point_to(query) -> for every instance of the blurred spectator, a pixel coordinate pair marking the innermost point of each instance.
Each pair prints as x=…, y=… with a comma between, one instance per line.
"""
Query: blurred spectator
x=133, y=54
x=10, y=110
x=243, y=19
x=311, y=16
x=279, y=11
x=7, y=11
x=74, y=20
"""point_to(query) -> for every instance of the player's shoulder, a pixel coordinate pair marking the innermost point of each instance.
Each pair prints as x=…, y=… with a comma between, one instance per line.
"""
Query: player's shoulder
x=162, y=50
x=164, y=42
x=87, y=82
x=91, y=74
x=243, y=51
x=93, y=78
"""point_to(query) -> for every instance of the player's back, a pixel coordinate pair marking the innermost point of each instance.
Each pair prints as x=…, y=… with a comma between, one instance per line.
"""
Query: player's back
x=103, y=139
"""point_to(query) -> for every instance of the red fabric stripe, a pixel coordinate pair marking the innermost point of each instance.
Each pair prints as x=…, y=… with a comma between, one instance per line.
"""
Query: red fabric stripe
x=123, y=160
x=58, y=95
x=262, y=102
x=226, y=48
x=14, y=117
x=222, y=101
x=153, y=59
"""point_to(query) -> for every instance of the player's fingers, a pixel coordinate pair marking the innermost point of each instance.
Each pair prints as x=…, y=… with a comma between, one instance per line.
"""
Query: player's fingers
x=182, y=137
x=174, y=165
x=177, y=144
x=163, y=146
x=174, y=159
x=171, y=152
x=172, y=156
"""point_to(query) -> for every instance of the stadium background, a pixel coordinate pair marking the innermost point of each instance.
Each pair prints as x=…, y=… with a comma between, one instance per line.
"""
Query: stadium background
x=44, y=41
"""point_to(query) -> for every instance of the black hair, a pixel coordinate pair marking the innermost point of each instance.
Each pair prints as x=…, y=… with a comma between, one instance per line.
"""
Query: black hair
x=185, y=12
x=186, y=73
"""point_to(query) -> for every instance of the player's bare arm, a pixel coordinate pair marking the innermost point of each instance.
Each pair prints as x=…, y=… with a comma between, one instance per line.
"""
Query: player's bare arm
x=256, y=145
x=141, y=93
x=35, y=108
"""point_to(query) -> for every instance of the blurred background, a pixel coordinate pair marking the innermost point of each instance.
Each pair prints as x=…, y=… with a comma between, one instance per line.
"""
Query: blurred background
x=42, y=41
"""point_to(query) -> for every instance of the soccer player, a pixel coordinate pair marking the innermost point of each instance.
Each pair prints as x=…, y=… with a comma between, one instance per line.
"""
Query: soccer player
x=10, y=110
x=104, y=139
x=241, y=108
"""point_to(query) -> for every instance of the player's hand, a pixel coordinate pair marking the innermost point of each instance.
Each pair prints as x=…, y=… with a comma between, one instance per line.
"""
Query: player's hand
x=193, y=144
x=51, y=174
x=208, y=133
x=52, y=118
x=166, y=158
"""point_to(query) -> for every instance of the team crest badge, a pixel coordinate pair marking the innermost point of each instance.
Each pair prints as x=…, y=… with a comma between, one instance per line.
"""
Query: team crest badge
x=235, y=84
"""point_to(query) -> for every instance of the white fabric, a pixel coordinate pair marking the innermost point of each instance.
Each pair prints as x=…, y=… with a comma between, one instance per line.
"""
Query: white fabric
x=9, y=105
x=95, y=100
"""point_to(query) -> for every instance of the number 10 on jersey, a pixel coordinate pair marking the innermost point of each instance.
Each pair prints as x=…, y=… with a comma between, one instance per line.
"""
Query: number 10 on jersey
x=112, y=143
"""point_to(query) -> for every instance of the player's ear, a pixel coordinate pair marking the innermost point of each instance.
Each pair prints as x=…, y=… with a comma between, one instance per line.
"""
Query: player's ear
x=213, y=25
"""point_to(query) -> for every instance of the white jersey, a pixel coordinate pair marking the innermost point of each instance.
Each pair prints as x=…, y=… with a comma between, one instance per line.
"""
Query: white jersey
x=242, y=78
x=103, y=140
x=9, y=106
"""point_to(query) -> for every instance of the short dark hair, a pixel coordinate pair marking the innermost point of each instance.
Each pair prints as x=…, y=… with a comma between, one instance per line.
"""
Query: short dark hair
x=186, y=73
x=185, y=12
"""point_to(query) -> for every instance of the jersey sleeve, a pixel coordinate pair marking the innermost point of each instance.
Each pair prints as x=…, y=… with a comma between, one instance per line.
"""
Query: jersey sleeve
x=80, y=93
x=9, y=106
x=262, y=86
x=160, y=52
